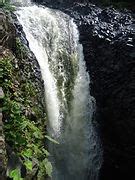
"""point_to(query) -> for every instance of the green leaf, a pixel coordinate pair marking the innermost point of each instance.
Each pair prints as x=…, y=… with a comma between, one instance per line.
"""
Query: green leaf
x=37, y=134
x=15, y=174
x=37, y=150
x=52, y=140
x=27, y=153
x=28, y=165
x=48, y=167
x=46, y=152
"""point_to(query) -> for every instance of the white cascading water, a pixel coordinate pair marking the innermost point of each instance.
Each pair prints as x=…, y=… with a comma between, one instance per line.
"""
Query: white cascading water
x=20, y=2
x=54, y=39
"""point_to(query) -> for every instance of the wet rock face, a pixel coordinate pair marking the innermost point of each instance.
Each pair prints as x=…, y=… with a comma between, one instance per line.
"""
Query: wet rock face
x=7, y=31
x=108, y=39
x=119, y=3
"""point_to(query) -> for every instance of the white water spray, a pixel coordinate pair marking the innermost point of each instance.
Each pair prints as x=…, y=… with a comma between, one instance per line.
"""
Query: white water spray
x=54, y=39
x=21, y=2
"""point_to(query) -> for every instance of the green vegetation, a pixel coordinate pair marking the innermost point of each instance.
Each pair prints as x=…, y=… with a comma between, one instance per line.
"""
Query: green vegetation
x=15, y=174
x=5, y=4
x=2, y=2
x=67, y=64
x=24, y=114
x=21, y=50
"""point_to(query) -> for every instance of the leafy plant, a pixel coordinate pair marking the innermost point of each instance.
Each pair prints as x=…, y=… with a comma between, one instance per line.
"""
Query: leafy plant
x=24, y=116
x=7, y=6
x=21, y=50
x=52, y=140
x=15, y=174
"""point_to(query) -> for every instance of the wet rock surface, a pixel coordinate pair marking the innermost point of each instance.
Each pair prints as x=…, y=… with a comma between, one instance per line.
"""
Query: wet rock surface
x=7, y=31
x=108, y=38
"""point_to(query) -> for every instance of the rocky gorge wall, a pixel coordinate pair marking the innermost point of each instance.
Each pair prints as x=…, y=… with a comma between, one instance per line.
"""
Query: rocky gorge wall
x=108, y=38
x=130, y=4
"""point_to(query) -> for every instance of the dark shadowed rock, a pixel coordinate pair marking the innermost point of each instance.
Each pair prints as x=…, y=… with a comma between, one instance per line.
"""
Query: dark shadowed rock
x=7, y=31
x=108, y=39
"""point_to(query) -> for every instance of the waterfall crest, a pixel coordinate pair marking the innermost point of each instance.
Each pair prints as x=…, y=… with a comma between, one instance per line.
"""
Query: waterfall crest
x=54, y=39
x=21, y=2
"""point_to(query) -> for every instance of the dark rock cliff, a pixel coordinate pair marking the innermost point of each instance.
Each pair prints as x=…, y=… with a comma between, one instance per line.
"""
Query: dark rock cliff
x=108, y=39
x=130, y=4
x=109, y=48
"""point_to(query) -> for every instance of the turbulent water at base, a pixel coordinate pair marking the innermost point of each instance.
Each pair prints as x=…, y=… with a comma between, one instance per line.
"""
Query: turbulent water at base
x=54, y=39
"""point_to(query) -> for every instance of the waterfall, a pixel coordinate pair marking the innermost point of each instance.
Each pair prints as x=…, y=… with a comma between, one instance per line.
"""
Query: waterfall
x=54, y=39
x=20, y=2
